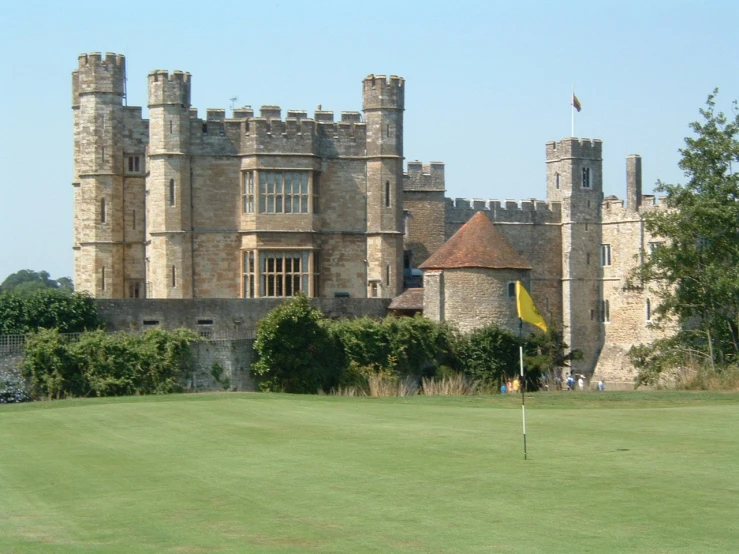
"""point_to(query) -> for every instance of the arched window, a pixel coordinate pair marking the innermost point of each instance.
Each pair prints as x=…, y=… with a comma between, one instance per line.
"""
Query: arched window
x=171, y=192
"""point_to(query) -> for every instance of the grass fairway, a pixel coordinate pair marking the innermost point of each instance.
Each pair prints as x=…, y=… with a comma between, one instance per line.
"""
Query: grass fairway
x=607, y=472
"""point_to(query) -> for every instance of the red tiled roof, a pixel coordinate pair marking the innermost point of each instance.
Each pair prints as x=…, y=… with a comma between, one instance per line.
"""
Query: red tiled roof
x=411, y=299
x=477, y=244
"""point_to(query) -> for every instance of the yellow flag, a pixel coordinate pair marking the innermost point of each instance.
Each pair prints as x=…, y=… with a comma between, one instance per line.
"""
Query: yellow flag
x=526, y=309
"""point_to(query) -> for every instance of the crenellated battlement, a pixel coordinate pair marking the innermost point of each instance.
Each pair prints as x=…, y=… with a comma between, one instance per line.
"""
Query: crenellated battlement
x=574, y=148
x=381, y=92
x=169, y=88
x=424, y=177
x=651, y=203
x=508, y=211
x=98, y=73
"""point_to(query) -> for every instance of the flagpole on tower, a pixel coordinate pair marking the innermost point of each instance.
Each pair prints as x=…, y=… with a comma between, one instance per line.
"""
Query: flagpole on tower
x=572, y=111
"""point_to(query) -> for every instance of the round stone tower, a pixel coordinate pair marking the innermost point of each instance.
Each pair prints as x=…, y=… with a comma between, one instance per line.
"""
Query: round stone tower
x=168, y=193
x=383, y=102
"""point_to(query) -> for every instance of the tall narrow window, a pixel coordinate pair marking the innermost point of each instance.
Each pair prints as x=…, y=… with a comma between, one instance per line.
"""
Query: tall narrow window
x=511, y=289
x=586, y=177
x=648, y=310
x=587, y=258
x=174, y=276
x=102, y=277
x=605, y=254
x=171, y=127
x=249, y=274
x=130, y=163
x=133, y=221
x=387, y=275
x=605, y=311
x=171, y=192
x=103, y=211
x=556, y=180
x=248, y=192
x=387, y=194
x=387, y=129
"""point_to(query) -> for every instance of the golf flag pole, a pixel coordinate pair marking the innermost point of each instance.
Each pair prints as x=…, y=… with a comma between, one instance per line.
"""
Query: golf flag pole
x=526, y=312
x=523, y=387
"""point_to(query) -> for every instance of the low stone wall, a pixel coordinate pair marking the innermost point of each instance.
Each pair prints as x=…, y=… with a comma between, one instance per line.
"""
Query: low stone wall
x=220, y=317
x=234, y=357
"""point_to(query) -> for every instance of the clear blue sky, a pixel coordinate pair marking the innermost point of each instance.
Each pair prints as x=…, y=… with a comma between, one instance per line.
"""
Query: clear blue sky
x=488, y=84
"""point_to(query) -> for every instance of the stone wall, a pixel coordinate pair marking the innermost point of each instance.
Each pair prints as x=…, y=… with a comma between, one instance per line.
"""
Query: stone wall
x=234, y=357
x=220, y=317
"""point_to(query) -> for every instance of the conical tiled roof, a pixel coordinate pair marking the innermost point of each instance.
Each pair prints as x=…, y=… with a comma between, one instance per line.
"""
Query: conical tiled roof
x=477, y=244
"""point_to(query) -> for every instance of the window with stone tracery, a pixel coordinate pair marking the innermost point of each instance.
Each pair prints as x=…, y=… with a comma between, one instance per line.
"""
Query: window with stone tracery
x=277, y=274
x=283, y=192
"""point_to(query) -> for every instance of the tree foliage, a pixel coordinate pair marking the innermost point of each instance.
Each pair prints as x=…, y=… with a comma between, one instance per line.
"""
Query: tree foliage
x=400, y=345
x=27, y=281
x=47, y=309
x=297, y=352
x=693, y=271
x=547, y=354
x=490, y=353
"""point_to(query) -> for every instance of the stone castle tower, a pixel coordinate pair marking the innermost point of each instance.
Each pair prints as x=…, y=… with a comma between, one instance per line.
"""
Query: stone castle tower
x=575, y=180
x=252, y=206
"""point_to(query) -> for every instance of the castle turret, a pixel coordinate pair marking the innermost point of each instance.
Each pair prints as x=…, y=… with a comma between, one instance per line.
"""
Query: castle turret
x=575, y=178
x=168, y=187
x=383, y=105
x=633, y=182
x=98, y=87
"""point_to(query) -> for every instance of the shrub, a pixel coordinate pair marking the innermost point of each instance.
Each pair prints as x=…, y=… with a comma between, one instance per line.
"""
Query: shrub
x=489, y=353
x=100, y=364
x=404, y=346
x=297, y=350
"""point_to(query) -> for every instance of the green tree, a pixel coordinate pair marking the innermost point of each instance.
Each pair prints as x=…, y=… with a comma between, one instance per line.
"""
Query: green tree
x=489, y=353
x=47, y=308
x=694, y=270
x=27, y=281
x=547, y=354
x=297, y=350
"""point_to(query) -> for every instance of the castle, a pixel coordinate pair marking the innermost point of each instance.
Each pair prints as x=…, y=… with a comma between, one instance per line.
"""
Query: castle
x=257, y=206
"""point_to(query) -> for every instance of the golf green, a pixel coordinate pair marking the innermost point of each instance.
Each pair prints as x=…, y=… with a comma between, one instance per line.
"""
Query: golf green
x=606, y=472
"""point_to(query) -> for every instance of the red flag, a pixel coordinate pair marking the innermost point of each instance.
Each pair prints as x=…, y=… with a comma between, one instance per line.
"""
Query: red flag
x=576, y=102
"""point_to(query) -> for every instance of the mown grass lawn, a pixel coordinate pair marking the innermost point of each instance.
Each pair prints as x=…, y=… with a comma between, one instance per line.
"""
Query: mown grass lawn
x=607, y=472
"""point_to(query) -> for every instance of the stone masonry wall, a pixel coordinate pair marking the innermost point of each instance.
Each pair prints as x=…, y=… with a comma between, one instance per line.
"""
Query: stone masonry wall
x=475, y=297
